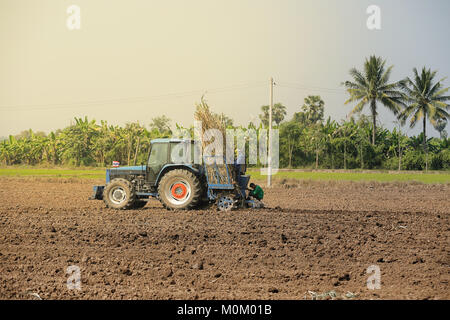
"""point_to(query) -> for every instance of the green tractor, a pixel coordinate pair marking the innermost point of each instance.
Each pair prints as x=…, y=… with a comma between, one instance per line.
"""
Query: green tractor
x=177, y=184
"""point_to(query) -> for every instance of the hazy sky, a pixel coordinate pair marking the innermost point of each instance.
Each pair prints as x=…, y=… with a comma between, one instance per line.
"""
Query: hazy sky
x=137, y=59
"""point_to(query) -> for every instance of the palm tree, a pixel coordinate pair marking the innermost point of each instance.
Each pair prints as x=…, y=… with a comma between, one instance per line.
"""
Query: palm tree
x=425, y=99
x=371, y=86
x=440, y=127
x=330, y=128
x=313, y=109
x=290, y=134
x=278, y=114
x=344, y=135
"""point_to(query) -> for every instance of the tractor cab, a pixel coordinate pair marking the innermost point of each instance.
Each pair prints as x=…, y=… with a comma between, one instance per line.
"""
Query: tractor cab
x=166, y=154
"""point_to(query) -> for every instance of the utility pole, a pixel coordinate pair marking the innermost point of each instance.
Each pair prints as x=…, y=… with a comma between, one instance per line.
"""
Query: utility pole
x=269, y=157
x=399, y=147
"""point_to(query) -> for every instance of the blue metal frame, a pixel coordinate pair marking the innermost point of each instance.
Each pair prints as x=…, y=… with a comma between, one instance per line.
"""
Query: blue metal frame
x=98, y=193
x=212, y=187
x=147, y=194
x=98, y=190
x=108, y=175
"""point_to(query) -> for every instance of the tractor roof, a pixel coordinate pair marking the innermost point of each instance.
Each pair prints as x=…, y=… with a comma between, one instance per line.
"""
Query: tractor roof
x=167, y=140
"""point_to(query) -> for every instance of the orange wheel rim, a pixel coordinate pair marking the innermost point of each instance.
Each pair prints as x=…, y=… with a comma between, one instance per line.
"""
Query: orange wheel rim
x=179, y=191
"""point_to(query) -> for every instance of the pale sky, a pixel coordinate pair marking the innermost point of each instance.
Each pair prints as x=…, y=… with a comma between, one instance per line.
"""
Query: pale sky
x=137, y=59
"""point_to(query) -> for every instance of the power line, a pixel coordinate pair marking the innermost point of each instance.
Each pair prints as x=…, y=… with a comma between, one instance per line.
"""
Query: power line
x=183, y=94
x=311, y=88
x=133, y=99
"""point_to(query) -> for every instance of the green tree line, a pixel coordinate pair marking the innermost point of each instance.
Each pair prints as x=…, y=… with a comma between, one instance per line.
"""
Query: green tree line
x=306, y=140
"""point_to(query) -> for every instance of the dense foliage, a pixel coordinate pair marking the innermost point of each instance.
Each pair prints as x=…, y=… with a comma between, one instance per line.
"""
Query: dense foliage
x=306, y=140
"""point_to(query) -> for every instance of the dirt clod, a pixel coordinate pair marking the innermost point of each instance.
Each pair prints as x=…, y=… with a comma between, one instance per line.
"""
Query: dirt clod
x=127, y=272
x=345, y=277
x=168, y=273
x=198, y=265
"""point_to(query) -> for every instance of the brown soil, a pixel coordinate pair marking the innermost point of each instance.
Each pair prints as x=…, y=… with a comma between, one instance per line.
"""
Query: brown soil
x=317, y=237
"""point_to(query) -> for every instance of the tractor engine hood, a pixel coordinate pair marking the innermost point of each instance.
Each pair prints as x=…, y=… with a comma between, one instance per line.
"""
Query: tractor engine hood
x=128, y=170
x=132, y=168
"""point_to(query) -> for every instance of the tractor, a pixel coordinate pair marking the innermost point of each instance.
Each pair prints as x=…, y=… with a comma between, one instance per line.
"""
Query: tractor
x=177, y=184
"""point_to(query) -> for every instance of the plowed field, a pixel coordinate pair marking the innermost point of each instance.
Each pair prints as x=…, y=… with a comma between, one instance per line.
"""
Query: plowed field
x=312, y=237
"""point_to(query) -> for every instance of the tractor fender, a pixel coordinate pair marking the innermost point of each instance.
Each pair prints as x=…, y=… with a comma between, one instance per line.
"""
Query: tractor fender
x=170, y=167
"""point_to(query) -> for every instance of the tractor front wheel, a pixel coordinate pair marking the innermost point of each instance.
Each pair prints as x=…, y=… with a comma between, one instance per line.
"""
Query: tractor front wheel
x=179, y=189
x=119, y=194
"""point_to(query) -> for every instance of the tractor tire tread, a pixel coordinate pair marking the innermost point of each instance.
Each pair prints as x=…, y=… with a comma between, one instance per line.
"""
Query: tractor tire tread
x=196, y=188
x=132, y=197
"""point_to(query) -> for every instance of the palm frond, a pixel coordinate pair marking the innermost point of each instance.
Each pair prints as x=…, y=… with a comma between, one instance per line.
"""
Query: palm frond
x=439, y=93
x=435, y=88
x=390, y=103
x=358, y=77
x=416, y=117
x=443, y=98
x=385, y=77
x=359, y=106
x=352, y=85
x=354, y=96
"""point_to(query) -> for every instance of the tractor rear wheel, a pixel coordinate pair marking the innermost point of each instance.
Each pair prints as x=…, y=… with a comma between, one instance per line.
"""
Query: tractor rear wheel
x=179, y=189
x=119, y=194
